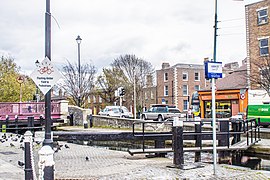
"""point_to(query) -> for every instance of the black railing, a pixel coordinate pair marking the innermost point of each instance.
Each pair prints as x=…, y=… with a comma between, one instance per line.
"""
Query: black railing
x=226, y=128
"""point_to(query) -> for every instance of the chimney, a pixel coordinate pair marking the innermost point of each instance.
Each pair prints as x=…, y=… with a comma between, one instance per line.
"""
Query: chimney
x=165, y=65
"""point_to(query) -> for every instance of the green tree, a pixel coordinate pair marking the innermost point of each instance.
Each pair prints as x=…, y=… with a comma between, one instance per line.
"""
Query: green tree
x=9, y=85
x=108, y=83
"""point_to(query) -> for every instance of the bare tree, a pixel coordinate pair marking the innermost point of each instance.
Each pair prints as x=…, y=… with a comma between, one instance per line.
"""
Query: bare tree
x=108, y=83
x=136, y=71
x=71, y=86
x=260, y=76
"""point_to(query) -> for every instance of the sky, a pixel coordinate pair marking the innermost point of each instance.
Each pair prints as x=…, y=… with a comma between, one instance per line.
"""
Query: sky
x=173, y=31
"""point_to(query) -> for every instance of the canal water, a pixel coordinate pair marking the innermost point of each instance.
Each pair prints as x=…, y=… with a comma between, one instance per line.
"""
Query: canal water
x=253, y=161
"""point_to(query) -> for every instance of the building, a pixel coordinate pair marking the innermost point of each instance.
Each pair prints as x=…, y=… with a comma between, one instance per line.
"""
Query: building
x=149, y=92
x=231, y=95
x=258, y=33
x=175, y=84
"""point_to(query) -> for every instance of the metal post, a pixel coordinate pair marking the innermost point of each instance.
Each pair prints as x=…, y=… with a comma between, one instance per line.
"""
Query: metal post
x=79, y=69
x=177, y=139
x=214, y=96
x=198, y=142
x=48, y=139
x=28, y=169
x=134, y=89
x=16, y=123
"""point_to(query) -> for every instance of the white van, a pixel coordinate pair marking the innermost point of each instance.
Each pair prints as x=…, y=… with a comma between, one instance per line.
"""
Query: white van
x=116, y=111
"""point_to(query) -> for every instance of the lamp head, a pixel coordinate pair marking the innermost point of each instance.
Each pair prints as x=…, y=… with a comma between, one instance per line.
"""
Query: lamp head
x=79, y=39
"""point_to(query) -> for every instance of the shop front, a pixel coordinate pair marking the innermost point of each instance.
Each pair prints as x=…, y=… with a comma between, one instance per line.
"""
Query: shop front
x=228, y=103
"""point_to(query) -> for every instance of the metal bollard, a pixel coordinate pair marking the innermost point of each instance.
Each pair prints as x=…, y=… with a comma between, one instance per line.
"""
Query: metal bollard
x=178, y=151
x=28, y=168
x=91, y=120
x=7, y=121
x=85, y=124
x=16, y=123
x=46, y=163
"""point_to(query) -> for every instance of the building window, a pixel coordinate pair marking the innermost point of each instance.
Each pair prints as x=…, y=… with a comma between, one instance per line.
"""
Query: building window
x=145, y=95
x=264, y=47
x=262, y=16
x=197, y=76
x=185, y=76
x=197, y=87
x=152, y=95
x=165, y=76
x=185, y=103
x=185, y=90
x=166, y=90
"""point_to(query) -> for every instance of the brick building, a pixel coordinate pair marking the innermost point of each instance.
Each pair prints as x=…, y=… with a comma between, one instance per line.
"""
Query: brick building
x=175, y=84
x=258, y=33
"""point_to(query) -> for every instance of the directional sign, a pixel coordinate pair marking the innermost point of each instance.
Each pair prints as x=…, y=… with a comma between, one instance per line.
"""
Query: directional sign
x=213, y=70
x=45, y=75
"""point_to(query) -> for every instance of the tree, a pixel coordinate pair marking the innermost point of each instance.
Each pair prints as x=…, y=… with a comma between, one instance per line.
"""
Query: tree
x=9, y=86
x=260, y=76
x=136, y=70
x=108, y=83
x=71, y=86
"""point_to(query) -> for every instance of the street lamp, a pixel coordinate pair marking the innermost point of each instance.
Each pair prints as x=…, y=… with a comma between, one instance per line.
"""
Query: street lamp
x=79, y=40
x=20, y=80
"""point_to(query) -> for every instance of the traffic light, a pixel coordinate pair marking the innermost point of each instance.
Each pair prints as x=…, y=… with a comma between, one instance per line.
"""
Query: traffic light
x=123, y=91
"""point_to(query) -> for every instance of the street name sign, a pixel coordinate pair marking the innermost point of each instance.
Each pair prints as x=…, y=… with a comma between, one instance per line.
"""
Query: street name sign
x=45, y=75
x=213, y=70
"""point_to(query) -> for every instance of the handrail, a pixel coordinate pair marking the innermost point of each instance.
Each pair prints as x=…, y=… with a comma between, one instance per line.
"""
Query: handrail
x=246, y=127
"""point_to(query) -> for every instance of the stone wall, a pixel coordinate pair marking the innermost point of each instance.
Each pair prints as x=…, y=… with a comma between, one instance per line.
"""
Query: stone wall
x=79, y=114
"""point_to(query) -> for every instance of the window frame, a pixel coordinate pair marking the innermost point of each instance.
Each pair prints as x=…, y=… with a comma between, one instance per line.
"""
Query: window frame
x=185, y=94
x=198, y=76
x=185, y=73
x=166, y=90
x=166, y=76
x=261, y=20
x=185, y=105
x=263, y=47
x=195, y=87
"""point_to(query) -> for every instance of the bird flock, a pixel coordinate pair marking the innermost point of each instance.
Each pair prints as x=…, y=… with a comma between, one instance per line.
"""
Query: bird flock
x=17, y=141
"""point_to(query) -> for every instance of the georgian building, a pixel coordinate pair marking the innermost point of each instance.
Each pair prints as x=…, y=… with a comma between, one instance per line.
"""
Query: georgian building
x=175, y=84
x=258, y=34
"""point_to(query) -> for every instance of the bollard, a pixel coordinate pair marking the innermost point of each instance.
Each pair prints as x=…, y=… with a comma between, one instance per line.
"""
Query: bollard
x=16, y=123
x=30, y=122
x=28, y=168
x=224, y=157
x=160, y=144
x=85, y=124
x=198, y=143
x=7, y=119
x=46, y=163
x=178, y=151
x=236, y=127
x=41, y=120
x=71, y=116
x=91, y=120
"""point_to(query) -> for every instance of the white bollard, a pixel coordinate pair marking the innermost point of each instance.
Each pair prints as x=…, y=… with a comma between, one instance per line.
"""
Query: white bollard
x=46, y=161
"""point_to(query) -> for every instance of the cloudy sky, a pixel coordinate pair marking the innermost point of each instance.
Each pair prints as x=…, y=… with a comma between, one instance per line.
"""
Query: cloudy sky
x=174, y=31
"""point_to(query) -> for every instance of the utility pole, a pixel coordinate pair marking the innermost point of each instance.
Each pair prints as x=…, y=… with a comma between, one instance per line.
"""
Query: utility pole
x=214, y=96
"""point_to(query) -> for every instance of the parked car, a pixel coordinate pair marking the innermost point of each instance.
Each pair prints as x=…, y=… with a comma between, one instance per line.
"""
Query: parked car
x=116, y=111
x=161, y=112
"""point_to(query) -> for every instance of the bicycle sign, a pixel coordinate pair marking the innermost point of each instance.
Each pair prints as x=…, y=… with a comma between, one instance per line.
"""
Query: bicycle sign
x=45, y=75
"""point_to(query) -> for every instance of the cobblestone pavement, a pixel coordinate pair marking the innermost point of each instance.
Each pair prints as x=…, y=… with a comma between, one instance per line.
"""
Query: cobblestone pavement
x=71, y=163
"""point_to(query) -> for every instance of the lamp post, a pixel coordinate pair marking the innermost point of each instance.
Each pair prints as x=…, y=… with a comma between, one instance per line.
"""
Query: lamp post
x=79, y=40
x=20, y=80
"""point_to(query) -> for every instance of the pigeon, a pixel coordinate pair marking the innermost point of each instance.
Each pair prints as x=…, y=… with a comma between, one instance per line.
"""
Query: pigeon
x=87, y=158
x=20, y=163
x=12, y=145
x=21, y=147
x=66, y=146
